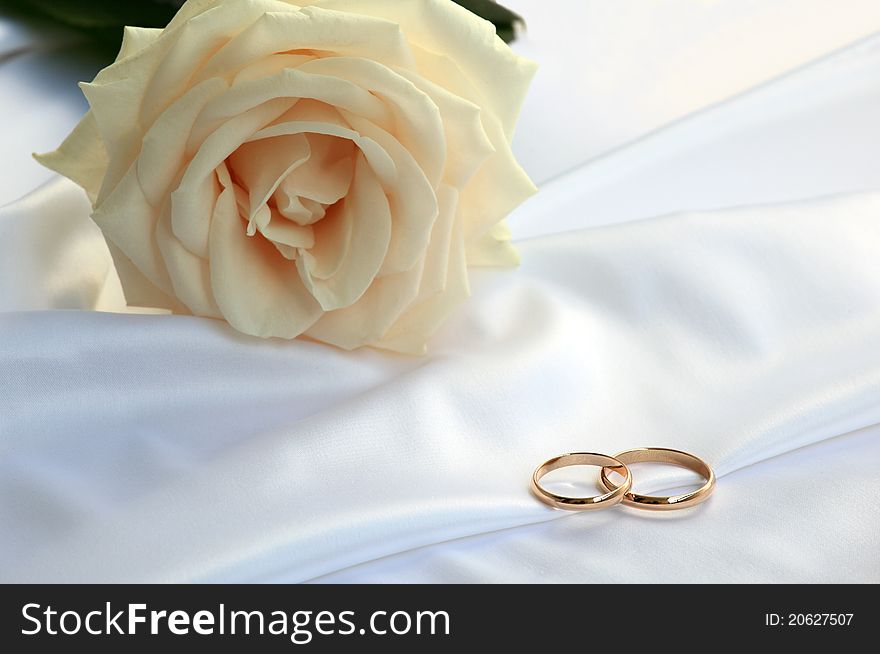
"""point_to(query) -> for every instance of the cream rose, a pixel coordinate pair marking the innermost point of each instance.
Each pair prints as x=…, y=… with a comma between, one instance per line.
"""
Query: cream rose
x=327, y=168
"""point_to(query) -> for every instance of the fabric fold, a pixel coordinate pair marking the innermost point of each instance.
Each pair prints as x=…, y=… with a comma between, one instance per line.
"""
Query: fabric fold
x=663, y=329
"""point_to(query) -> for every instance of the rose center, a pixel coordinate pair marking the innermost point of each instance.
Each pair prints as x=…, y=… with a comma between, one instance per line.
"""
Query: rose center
x=290, y=183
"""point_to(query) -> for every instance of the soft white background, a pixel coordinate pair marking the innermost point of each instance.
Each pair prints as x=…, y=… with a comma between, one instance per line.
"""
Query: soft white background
x=747, y=330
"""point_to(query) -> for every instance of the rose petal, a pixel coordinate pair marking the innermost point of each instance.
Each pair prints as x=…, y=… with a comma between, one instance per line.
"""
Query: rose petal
x=417, y=122
x=192, y=203
x=326, y=177
x=467, y=145
x=291, y=84
x=497, y=188
x=192, y=8
x=500, y=171
x=195, y=42
x=140, y=291
x=443, y=26
x=493, y=248
x=307, y=29
x=190, y=275
x=365, y=321
x=369, y=319
x=135, y=39
x=436, y=268
x=262, y=165
x=129, y=221
x=378, y=158
x=362, y=219
x=410, y=333
x=412, y=198
x=333, y=242
x=81, y=158
x=112, y=106
x=299, y=210
x=258, y=291
x=271, y=65
x=307, y=110
x=127, y=80
x=163, y=150
x=284, y=232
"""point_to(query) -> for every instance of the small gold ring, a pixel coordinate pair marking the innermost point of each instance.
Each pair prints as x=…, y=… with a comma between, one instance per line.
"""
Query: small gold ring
x=662, y=455
x=605, y=501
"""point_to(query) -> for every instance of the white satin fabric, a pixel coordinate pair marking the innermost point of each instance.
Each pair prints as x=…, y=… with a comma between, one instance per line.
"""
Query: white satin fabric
x=747, y=330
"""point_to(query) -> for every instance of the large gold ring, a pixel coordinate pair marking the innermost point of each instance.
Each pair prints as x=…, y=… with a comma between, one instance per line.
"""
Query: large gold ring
x=609, y=499
x=661, y=455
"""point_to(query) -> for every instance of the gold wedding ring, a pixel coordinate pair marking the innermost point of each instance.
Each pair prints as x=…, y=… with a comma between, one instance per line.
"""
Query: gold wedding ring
x=660, y=455
x=609, y=499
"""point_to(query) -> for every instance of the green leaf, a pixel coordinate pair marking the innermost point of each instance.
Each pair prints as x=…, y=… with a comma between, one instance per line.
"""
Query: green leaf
x=506, y=22
x=99, y=14
x=104, y=19
x=100, y=20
